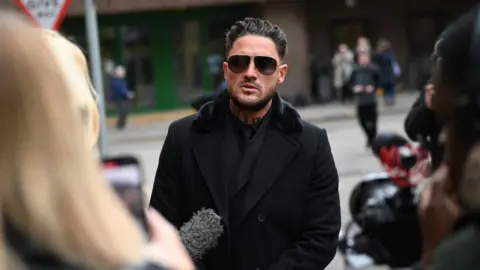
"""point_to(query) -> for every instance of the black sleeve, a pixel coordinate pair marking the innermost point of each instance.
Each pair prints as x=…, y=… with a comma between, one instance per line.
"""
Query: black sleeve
x=317, y=243
x=377, y=77
x=420, y=120
x=167, y=189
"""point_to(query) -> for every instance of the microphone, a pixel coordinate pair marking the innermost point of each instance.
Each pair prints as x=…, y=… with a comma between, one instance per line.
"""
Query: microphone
x=201, y=232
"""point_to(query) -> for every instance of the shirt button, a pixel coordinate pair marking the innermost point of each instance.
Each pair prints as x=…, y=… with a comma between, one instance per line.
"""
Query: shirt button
x=261, y=217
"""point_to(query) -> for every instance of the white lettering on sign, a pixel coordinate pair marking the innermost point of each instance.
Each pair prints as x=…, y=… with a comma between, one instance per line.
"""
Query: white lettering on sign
x=45, y=12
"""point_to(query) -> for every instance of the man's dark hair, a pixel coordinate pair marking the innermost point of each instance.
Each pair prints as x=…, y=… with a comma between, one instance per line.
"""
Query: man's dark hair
x=454, y=46
x=257, y=27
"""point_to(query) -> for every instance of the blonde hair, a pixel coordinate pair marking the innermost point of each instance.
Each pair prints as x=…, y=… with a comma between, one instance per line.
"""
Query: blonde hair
x=363, y=45
x=51, y=189
x=83, y=94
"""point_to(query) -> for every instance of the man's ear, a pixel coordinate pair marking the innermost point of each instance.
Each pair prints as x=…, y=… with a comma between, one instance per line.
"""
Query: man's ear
x=225, y=70
x=282, y=73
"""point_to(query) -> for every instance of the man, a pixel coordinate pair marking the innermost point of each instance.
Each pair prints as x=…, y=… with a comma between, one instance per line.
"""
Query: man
x=364, y=81
x=122, y=96
x=450, y=205
x=249, y=156
x=421, y=125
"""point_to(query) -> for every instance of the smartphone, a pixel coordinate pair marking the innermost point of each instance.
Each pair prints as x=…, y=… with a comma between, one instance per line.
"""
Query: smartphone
x=124, y=174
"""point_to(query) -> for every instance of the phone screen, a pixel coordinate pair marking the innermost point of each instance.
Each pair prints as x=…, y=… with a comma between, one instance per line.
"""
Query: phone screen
x=125, y=176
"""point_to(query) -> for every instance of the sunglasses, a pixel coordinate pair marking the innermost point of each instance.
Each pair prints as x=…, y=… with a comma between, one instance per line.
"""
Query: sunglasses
x=264, y=64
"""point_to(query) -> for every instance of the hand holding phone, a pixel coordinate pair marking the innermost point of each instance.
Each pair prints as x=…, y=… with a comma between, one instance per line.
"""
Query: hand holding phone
x=125, y=175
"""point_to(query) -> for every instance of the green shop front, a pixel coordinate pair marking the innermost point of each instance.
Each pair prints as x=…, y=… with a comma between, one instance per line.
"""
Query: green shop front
x=171, y=57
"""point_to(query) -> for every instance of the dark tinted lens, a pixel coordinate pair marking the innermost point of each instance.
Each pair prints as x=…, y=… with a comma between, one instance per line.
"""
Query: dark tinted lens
x=265, y=65
x=238, y=63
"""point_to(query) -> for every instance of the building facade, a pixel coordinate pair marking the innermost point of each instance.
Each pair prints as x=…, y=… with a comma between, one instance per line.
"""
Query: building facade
x=173, y=49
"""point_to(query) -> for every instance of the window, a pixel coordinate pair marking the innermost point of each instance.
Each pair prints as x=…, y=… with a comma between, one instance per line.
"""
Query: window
x=188, y=60
x=138, y=63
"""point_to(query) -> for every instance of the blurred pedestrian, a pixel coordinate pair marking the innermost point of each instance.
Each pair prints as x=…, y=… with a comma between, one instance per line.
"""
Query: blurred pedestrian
x=122, y=96
x=450, y=203
x=386, y=60
x=248, y=155
x=364, y=83
x=57, y=212
x=342, y=63
x=421, y=125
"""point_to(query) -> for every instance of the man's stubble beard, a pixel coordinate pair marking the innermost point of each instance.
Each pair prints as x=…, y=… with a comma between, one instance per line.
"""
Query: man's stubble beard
x=252, y=107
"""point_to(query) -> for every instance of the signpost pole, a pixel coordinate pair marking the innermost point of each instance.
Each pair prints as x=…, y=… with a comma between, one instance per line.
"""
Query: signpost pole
x=96, y=70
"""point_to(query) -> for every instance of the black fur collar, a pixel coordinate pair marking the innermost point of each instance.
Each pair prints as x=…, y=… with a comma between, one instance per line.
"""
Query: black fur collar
x=284, y=116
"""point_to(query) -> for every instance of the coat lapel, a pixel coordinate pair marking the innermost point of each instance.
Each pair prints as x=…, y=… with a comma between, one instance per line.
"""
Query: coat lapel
x=276, y=153
x=207, y=151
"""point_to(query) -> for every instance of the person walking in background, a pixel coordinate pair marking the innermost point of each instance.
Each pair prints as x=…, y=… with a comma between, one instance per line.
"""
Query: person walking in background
x=364, y=82
x=342, y=63
x=122, y=96
x=386, y=60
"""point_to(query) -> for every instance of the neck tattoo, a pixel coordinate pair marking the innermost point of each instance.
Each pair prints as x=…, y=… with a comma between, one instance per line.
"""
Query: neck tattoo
x=244, y=116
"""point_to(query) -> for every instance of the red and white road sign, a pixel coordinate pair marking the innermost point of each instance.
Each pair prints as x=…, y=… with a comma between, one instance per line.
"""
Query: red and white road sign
x=46, y=13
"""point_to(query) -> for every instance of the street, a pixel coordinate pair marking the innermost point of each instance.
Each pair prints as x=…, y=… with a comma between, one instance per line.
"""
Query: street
x=348, y=145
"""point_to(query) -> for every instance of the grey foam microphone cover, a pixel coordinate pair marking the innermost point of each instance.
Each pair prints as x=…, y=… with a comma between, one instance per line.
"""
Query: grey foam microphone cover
x=201, y=232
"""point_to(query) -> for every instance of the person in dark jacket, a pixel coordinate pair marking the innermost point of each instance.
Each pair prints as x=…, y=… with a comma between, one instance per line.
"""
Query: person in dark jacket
x=385, y=59
x=121, y=95
x=364, y=82
x=421, y=125
x=250, y=157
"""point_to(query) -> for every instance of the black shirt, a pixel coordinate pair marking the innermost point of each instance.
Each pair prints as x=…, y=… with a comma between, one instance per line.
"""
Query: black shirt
x=243, y=132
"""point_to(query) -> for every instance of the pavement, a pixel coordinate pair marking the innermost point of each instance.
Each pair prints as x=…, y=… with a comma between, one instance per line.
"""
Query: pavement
x=155, y=126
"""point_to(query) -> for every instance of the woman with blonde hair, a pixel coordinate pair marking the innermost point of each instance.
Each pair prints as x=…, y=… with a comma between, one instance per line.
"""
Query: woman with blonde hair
x=82, y=93
x=56, y=210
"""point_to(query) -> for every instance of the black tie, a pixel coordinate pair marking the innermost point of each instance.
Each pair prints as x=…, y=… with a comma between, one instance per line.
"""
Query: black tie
x=246, y=133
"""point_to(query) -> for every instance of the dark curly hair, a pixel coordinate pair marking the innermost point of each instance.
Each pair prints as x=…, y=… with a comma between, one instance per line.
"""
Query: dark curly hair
x=258, y=27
